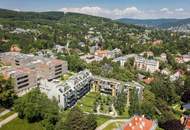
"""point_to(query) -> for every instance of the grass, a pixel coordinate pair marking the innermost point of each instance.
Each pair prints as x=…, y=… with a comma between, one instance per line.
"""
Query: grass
x=113, y=126
x=102, y=119
x=19, y=124
x=87, y=102
x=6, y=115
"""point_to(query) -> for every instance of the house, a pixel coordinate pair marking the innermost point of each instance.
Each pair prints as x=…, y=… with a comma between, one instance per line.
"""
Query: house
x=175, y=76
x=188, y=68
x=81, y=44
x=148, y=80
x=90, y=58
x=163, y=57
x=15, y=48
x=179, y=59
x=165, y=71
x=23, y=79
x=147, y=53
x=157, y=42
x=140, y=123
x=186, y=58
x=68, y=92
x=146, y=65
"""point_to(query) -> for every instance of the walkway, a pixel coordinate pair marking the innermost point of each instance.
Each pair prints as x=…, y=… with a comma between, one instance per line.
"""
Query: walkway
x=4, y=112
x=103, y=126
x=8, y=119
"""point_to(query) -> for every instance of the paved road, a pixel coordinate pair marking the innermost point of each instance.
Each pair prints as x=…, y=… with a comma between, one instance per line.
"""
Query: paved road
x=4, y=112
x=110, y=122
x=8, y=119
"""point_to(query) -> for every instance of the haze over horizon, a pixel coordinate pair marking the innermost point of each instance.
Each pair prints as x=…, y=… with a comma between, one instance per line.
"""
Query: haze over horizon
x=138, y=9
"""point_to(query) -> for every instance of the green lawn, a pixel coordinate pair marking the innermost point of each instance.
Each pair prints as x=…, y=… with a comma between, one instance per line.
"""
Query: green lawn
x=87, y=102
x=19, y=124
x=113, y=126
x=102, y=119
x=6, y=115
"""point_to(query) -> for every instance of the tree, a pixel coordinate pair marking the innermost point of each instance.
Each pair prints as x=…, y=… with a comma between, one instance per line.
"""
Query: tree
x=7, y=94
x=120, y=103
x=172, y=125
x=75, y=120
x=134, y=107
x=91, y=122
x=35, y=106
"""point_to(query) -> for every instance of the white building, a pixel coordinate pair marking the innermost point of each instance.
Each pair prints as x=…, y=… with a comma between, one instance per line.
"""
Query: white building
x=123, y=59
x=67, y=92
x=146, y=64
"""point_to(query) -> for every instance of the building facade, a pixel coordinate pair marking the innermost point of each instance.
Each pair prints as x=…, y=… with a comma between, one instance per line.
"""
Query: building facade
x=146, y=65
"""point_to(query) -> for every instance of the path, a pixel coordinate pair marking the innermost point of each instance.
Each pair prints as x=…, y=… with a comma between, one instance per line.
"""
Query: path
x=103, y=126
x=8, y=119
x=4, y=112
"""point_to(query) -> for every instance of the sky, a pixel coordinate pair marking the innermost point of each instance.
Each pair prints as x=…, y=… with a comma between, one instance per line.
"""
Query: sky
x=114, y=9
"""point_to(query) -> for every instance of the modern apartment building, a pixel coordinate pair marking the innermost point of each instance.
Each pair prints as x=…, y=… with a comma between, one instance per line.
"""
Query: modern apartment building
x=146, y=64
x=68, y=92
x=106, y=86
x=23, y=79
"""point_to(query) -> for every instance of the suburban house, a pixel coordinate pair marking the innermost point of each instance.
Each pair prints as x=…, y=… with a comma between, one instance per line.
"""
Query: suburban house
x=123, y=59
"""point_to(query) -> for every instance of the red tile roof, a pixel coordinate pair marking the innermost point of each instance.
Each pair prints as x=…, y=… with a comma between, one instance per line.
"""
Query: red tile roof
x=139, y=123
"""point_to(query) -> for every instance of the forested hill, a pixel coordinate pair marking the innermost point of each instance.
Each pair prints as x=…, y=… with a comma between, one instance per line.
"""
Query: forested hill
x=14, y=15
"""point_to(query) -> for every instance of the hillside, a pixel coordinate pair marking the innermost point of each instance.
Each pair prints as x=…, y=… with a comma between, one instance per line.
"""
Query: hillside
x=182, y=25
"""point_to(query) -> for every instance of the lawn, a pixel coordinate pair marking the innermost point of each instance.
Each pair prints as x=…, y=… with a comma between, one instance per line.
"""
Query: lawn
x=19, y=124
x=113, y=126
x=102, y=119
x=87, y=102
x=6, y=115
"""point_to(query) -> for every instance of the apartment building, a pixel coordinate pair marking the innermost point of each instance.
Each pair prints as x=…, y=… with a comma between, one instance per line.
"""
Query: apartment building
x=68, y=92
x=146, y=64
x=106, y=86
x=23, y=79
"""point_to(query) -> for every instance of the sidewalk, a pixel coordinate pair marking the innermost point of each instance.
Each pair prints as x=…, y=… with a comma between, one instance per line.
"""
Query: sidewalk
x=4, y=112
x=8, y=119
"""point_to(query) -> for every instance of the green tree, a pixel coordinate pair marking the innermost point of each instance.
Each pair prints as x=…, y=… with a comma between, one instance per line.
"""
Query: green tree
x=7, y=94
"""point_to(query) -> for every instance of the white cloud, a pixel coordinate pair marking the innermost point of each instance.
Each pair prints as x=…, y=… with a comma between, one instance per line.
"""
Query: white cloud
x=98, y=11
x=128, y=12
x=166, y=10
x=179, y=10
x=18, y=10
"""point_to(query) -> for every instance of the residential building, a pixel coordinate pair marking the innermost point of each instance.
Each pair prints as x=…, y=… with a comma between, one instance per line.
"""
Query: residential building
x=146, y=64
x=90, y=58
x=67, y=92
x=106, y=86
x=186, y=58
x=123, y=59
x=163, y=57
x=23, y=79
x=175, y=76
x=140, y=123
